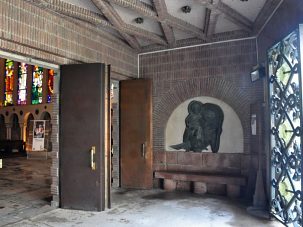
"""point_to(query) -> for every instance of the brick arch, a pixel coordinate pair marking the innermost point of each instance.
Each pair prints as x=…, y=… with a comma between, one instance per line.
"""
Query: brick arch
x=212, y=87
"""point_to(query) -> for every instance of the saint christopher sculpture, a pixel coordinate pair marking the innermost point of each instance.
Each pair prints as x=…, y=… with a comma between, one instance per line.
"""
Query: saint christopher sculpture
x=203, y=127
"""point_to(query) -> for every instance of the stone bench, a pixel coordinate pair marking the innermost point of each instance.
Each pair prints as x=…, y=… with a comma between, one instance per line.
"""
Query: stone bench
x=204, y=182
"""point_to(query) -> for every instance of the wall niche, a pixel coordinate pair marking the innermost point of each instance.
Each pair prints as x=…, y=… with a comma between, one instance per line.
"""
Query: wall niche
x=231, y=138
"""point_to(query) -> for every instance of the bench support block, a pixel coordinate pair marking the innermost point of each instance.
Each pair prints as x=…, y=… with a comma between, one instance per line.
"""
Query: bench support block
x=233, y=191
x=200, y=188
x=170, y=185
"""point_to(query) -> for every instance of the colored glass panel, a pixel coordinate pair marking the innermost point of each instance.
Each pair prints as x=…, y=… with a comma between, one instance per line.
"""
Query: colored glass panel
x=22, y=83
x=37, y=85
x=50, y=85
x=9, y=82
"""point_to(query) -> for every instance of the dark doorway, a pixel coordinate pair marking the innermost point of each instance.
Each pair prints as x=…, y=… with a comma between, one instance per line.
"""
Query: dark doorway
x=29, y=132
x=48, y=131
x=15, y=130
x=2, y=128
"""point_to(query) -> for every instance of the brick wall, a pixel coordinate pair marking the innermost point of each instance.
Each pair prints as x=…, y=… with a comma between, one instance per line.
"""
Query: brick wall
x=219, y=70
x=31, y=31
x=115, y=149
x=37, y=33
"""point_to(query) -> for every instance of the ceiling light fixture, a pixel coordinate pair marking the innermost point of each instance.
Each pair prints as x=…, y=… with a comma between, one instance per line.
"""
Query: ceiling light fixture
x=186, y=9
x=139, y=20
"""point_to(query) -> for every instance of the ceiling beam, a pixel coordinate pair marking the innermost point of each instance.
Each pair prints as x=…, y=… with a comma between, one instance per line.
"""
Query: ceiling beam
x=185, y=26
x=138, y=6
x=76, y=12
x=147, y=11
x=268, y=8
x=79, y=15
x=111, y=15
x=213, y=18
x=122, y=27
x=161, y=9
x=206, y=20
x=232, y=15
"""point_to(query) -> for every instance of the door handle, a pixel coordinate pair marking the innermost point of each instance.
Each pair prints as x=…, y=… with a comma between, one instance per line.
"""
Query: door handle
x=92, y=158
x=143, y=150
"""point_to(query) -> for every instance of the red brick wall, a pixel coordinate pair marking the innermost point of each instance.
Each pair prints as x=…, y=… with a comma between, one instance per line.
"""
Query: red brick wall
x=219, y=70
x=31, y=31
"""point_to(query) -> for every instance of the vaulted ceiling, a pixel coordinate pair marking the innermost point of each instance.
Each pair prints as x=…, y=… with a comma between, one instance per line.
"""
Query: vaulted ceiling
x=156, y=24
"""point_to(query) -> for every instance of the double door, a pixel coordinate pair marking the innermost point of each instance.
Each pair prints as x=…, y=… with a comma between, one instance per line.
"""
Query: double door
x=85, y=151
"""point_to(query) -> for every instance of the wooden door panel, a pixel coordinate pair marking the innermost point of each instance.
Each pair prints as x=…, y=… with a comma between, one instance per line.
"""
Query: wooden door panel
x=82, y=111
x=136, y=133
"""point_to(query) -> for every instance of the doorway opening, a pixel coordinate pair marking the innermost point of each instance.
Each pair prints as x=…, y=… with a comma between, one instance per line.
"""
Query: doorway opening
x=25, y=182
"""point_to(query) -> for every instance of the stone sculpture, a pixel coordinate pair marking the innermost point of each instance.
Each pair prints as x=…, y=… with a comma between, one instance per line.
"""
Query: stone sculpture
x=203, y=127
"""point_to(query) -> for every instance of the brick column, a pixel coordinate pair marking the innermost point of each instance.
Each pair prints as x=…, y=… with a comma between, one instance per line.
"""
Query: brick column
x=44, y=85
x=15, y=84
x=8, y=131
x=29, y=84
x=2, y=73
x=55, y=152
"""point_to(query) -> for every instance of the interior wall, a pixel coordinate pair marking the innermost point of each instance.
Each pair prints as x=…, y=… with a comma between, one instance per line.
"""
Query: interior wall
x=221, y=71
x=36, y=33
x=40, y=34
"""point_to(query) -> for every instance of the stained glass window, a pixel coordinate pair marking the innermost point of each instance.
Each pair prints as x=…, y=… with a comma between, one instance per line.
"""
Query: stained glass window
x=37, y=85
x=9, y=82
x=50, y=85
x=22, y=83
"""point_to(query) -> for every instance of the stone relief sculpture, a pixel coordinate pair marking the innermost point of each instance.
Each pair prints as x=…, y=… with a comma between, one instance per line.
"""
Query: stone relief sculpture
x=203, y=127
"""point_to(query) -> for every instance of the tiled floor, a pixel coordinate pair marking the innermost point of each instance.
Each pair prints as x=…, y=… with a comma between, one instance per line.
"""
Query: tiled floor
x=25, y=188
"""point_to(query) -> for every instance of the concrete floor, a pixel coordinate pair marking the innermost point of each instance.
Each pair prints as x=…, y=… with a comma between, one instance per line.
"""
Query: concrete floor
x=25, y=200
x=25, y=188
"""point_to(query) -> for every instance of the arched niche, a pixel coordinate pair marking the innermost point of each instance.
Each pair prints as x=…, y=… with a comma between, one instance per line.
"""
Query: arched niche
x=45, y=116
x=2, y=128
x=15, y=127
x=231, y=140
x=29, y=121
x=48, y=130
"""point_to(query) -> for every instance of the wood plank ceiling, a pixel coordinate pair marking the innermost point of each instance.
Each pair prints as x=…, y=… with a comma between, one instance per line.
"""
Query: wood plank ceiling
x=147, y=25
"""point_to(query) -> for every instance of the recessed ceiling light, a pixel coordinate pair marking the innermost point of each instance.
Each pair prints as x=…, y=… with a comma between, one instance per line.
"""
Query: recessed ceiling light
x=139, y=20
x=186, y=9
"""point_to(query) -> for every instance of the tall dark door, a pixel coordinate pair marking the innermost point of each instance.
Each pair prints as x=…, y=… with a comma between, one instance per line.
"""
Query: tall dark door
x=136, y=133
x=82, y=136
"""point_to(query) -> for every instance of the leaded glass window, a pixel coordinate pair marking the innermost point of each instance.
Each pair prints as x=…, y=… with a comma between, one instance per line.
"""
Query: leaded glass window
x=9, y=82
x=22, y=76
x=37, y=85
x=50, y=85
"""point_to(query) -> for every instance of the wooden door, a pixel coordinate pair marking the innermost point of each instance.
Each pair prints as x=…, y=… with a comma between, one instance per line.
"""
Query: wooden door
x=82, y=136
x=136, y=133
